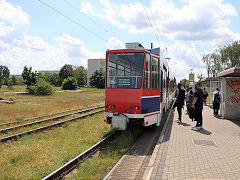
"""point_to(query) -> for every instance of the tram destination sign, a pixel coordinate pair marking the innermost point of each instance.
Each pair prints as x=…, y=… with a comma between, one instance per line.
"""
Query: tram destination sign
x=124, y=82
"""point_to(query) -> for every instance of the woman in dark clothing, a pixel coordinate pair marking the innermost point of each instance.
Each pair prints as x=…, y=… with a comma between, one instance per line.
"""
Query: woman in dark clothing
x=205, y=95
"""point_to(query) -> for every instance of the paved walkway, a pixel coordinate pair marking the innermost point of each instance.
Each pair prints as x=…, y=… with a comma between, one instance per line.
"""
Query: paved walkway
x=178, y=158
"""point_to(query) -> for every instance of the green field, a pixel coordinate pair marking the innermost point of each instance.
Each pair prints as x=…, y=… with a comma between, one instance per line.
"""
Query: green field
x=36, y=155
x=28, y=106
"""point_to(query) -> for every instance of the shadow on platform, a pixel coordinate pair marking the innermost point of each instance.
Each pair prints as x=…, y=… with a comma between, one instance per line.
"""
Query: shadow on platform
x=147, y=142
x=203, y=131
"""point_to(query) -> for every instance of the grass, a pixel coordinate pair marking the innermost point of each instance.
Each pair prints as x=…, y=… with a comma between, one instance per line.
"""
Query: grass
x=101, y=163
x=4, y=88
x=22, y=88
x=35, y=156
x=28, y=106
x=47, y=116
x=35, y=126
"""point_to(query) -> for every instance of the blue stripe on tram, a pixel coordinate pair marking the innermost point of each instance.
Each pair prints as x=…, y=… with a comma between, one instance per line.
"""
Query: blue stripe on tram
x=150, y=104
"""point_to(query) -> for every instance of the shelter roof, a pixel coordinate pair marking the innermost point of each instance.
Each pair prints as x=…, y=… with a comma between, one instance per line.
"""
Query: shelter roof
x=211, y=79
x=232, y=72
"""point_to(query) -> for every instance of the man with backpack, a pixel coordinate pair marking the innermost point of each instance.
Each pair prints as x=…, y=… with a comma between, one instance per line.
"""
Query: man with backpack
x=216, y=102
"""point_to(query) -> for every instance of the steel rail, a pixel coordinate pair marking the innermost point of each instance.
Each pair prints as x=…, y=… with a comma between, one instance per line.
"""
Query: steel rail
x=16, y=136
x=38, y=117
x=47, y=120
x=66, y=168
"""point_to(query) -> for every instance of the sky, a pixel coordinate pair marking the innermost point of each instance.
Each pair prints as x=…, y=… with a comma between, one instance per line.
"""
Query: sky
x=46, y=34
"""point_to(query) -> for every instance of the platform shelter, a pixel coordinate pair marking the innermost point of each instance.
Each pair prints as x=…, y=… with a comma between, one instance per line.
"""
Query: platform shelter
x=230, y=89
x=211, y=83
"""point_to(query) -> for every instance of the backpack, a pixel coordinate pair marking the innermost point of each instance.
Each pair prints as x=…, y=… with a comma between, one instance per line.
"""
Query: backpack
x=217, y=98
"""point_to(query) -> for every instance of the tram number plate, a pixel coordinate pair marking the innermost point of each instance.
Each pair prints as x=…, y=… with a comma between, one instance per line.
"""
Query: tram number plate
x=124, y=82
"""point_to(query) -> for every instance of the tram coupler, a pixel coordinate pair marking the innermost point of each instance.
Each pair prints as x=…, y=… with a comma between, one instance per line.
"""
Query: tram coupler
x=119, y=122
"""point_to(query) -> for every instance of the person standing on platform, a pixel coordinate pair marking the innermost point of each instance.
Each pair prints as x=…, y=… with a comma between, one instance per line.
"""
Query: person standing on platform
x=180, y=96
x=190, y=109
x=205, y=95
x=198, y=106
x=216, y=101
x=187, y=99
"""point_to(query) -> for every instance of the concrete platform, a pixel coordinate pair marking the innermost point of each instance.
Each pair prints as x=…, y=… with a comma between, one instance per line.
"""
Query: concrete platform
x=176, y=157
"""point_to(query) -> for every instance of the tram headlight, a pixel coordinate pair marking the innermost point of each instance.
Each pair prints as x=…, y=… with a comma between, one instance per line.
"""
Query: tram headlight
x=111, y=106
x=134, y=107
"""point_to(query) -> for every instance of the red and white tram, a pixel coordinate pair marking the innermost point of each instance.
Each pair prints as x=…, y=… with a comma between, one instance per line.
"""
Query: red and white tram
x=138, y=86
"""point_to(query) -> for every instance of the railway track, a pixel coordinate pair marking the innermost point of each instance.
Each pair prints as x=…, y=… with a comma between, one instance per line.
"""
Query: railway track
x=47, y=123
x=69, y=166
x=64, y=170
x=44, y=116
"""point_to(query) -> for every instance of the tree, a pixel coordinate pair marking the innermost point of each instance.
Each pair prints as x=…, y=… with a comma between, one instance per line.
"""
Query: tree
x=55, y=80
x=200, y=77
x=185, y=83
x=14, y=80
x=46, y=76
x=52, y=78
x=69, y=84
x=222, y=58
x=29, y=77
x=98, y=79
x=10, y=83
x=20, y=80
x=80, y=73
x=4, y=74
x=65, y=72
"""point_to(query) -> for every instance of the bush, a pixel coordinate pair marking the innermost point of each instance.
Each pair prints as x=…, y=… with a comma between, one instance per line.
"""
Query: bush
x=70, y=83
x=10, y=84
x=98, y=79
x=41, y=88
x=14, y=80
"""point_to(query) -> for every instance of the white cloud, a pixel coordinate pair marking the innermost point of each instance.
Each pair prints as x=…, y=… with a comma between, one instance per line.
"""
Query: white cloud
x=18, y=49
x=114, y=43
x=73, y=46
x=14, y=22
x=109, y=12
x=195, y=21
x=184, y=58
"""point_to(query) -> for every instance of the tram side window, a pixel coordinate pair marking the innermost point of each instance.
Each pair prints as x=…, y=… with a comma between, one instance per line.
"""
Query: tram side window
x=155, y=73
x=146, y=82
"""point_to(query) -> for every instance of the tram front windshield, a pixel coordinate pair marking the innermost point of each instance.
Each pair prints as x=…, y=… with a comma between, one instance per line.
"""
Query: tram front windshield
x=124, y=70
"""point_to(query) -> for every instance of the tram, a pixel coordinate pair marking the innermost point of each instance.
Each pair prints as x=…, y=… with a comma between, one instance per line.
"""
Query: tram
x=138, y=86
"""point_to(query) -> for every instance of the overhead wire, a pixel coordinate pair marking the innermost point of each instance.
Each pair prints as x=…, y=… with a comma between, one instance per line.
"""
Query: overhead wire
x=151, y=13
x=73, y=21
x=91, y=19
x=150, y=22
x=156, y=28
